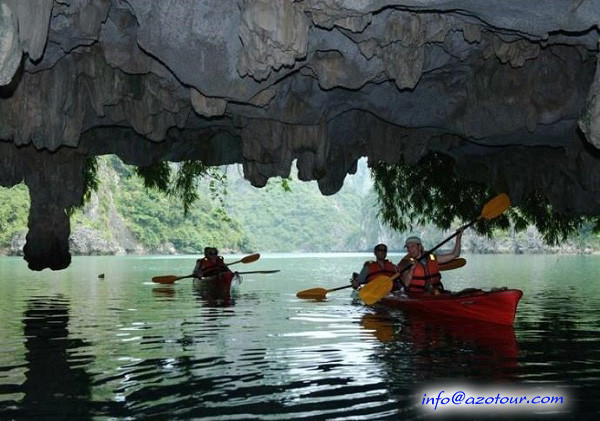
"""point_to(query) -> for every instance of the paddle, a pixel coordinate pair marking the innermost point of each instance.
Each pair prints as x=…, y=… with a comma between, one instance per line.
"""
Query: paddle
x=259, y=271
x=169, y=279
x=320, y=293
x=453, y=264
x=376, y=289
x=248, y=259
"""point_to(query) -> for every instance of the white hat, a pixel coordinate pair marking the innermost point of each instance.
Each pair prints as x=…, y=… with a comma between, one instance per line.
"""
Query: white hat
x=413, y=240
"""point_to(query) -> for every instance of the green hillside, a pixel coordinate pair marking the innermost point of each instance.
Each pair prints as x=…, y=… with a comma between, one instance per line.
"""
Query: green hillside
x=125, y=217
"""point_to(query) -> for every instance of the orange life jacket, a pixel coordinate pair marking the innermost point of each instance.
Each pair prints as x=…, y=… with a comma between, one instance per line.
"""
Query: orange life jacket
x=210, y=268
x=424, y=274
x=375, y=269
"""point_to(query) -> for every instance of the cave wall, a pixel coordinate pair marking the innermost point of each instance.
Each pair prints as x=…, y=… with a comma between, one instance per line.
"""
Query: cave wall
x=509, y=89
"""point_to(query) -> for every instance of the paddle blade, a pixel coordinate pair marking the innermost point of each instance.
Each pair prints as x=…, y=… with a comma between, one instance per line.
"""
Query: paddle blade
x=167, y=279
x=376, y=289
x=495, y=207
x=453, y=264
x=251, y=258
x=382, y=328
x=259, y=271
x=313, y=293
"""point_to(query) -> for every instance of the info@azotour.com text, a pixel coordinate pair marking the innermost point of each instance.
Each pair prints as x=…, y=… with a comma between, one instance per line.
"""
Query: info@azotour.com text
x=521, y=399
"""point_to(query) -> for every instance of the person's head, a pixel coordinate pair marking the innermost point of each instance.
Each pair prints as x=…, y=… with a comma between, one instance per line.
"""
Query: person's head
x=380, y=251
x=211, y=252
x=414, y=247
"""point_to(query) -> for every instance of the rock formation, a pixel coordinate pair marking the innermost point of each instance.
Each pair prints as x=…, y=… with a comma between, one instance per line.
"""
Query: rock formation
x=509, y=89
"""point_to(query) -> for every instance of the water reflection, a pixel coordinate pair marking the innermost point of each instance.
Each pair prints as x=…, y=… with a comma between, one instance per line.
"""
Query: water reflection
x=380, y=325
x=187, y=387
x=213, y=297
x=55, y=384
x=164, y=292
x=559, y=332
x=178, y=353
x=437, y=347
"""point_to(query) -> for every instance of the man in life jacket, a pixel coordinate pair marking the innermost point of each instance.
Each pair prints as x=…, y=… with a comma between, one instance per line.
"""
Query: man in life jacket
x=373, y=268
x=211, y=264
x=423, y=275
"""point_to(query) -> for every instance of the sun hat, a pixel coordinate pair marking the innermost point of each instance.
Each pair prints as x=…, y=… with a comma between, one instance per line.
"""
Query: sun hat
x=413, y=239
x=380, y=245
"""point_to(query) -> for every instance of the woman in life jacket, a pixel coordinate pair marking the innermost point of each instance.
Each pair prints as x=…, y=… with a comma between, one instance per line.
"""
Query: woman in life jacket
x=211, y=264
x=423, y=273
x=373, y=268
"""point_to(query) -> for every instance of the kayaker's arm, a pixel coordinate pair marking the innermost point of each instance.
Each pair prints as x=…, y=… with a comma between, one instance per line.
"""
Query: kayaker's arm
x=406, y=268
x=359, y=279
x=198, y=269
x=362, y=276
x=407, y=275
x=445, y=258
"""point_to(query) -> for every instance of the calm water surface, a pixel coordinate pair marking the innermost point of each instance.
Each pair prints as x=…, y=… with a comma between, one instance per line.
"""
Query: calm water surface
x=78, y=346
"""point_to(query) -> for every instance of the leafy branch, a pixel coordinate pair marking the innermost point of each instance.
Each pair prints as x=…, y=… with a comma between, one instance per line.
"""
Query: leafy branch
x=431, y=192
x=181, y=181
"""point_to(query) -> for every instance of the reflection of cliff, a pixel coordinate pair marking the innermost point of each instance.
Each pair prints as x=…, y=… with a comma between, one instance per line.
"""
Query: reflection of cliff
x=55, y=385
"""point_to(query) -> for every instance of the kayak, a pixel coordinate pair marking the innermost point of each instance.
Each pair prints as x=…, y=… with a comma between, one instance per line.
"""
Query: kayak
x=496, y=306
x=218, y=285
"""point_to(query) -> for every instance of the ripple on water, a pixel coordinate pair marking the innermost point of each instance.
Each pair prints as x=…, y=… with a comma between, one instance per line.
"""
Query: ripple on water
x=125, y=349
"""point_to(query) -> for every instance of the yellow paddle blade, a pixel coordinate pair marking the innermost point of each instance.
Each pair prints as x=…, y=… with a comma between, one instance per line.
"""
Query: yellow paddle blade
x=167, y=279
x=376, y=289
x=495, y=207
x=251, y=258
x=313, y=293
x=453, y=264
x=382, y=328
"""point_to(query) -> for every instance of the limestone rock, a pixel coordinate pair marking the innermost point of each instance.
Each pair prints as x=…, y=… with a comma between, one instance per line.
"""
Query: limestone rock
x=508, y=89
x=207, y=107
x=274, y=34
x=10, y=51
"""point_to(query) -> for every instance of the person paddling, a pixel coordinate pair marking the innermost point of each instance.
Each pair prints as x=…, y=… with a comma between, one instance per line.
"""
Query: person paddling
x=372, y=268
x=211, y=264
x=423, y=275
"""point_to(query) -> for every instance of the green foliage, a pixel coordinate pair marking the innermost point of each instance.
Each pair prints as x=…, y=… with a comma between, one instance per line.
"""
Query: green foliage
x=554, y=226
x=285, y=184
x=295, y=218
x=290, y=215
x=90, y=182
x=90, y=177
x=14, y=210
x=431, y=193
x=158, y=208
x=185, y=183
x=155, y=176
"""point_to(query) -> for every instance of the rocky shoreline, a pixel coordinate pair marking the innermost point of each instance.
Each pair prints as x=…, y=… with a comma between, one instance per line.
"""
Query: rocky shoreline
x=85, y=241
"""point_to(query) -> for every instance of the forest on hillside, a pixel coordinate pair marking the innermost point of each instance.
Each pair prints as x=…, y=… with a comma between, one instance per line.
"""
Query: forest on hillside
x=123, y=216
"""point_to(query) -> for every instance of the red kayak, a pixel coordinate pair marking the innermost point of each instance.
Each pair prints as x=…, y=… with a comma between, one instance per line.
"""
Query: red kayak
x=218, y=285
x=496, y=306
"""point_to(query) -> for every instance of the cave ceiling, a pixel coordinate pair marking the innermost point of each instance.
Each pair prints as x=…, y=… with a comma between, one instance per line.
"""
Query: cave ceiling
x=509, y=89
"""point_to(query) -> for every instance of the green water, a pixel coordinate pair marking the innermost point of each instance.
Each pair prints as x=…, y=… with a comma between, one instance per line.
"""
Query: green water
x=79, y=346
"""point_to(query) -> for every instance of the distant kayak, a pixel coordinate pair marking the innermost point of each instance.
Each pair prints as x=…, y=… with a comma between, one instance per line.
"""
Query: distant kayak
x=218, y=285
x=496, y=306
